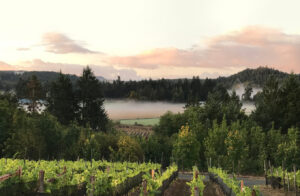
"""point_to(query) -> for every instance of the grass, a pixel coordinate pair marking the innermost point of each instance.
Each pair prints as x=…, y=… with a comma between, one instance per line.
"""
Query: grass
x=140, y=121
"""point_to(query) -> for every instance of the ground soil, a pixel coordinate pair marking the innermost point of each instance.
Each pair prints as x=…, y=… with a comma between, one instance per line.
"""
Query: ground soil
x=212, y=189
x=178, y=188
x=269, y=191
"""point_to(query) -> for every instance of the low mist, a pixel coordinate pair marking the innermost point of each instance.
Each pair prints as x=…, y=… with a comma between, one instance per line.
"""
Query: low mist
x=130, y=109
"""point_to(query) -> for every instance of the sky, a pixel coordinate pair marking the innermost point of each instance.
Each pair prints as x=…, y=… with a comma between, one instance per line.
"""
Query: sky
x=137, y=39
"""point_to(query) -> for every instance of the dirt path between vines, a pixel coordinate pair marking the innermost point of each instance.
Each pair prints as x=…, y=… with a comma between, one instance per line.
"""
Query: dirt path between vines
x=176, y=188
x=180, y=188
x=269, y=191
x=212, y=189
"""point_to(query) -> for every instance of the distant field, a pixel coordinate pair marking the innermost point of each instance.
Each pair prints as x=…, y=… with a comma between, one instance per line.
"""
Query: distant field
x=141, y=121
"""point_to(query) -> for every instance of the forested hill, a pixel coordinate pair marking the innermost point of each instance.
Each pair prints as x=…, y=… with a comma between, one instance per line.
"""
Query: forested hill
x=256, y=76
x=10, y=79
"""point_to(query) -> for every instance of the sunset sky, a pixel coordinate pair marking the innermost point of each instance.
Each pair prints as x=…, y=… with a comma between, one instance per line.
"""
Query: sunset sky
x=150, y=38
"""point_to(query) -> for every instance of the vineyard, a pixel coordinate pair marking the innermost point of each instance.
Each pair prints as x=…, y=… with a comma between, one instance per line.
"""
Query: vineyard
x=140, y=121
x=135, y=130
x=283, y=178
x=80, y=177
x=230, y=186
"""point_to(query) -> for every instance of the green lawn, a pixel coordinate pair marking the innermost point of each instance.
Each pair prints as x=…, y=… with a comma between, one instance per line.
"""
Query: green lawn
x=140, y=121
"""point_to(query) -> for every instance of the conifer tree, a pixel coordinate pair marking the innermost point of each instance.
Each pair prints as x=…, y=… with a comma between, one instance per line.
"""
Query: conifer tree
x=61, y=99
x=90, y=97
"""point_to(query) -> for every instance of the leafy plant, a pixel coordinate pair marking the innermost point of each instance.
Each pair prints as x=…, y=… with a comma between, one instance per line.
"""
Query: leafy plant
x=197, y=182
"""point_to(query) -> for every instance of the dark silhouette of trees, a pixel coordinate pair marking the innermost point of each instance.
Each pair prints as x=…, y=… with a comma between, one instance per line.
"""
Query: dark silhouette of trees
x=279, y=104
x=21, y=88
x=33, y=93
x=61, y=100
x=190, y=91
x=90, y=99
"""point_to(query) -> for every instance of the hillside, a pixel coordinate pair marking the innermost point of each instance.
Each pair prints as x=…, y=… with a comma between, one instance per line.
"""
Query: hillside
x=9, y=79
x=256, y=76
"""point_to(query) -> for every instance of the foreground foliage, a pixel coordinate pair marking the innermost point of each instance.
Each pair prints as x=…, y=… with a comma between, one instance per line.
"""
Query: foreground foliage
x=156, y=182
x=196, y=183
x=108, y=176
x=279, y=172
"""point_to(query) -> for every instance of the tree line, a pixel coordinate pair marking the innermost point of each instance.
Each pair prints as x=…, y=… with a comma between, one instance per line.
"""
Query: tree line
x=177, y=90
x=181, y=90
x=187, y=90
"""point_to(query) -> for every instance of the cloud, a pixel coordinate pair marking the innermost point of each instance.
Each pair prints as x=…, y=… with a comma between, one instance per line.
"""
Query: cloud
x=250, y=47
x=108, y=72
x=61, y=44
x=23, y=49
x=154, y=58
x=6, y=67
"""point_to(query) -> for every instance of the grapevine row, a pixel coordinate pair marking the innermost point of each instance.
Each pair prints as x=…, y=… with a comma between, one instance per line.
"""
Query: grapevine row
x=61, y=177
x=230, y=186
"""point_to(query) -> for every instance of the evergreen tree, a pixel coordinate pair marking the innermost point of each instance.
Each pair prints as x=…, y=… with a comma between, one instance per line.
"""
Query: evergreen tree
x=268, y=105
x=61, y=99
x=21, y=88
x=290, y=96
x=279, y=104
x=91, y=100
x=34, y=93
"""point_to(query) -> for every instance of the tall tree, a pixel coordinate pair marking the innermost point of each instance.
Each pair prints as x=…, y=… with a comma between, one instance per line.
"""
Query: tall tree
x=290, y=96
x=34, y=93
x=21, y=88
x=91, y=100
x=61, y=99
x=268, y=105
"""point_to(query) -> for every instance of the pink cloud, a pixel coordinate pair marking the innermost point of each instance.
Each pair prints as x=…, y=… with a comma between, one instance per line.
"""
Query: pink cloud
x=6, y=67
x=61, y=44
x=250, y=47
